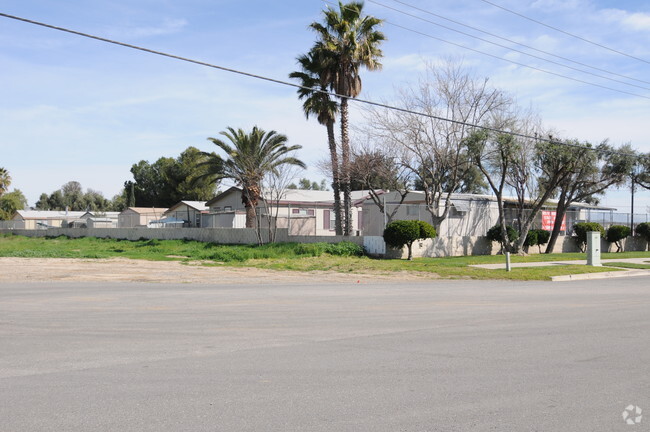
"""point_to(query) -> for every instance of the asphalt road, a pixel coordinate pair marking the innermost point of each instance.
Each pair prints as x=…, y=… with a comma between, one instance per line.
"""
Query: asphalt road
x=435, y=356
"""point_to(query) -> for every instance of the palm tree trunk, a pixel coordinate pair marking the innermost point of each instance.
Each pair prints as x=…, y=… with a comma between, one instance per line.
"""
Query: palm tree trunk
x=345, y=167
x=249, y=199
x=336, y=181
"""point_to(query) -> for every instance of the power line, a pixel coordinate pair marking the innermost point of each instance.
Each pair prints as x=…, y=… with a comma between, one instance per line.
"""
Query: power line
x=516, y=62
x=505, y=39
x=566, y=32
x=286, y=83
x=509, y=48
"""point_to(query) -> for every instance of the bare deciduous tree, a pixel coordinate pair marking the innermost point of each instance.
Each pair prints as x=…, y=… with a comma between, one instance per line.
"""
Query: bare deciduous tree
x=378, y=171
x=274, y=186
x=430, y=147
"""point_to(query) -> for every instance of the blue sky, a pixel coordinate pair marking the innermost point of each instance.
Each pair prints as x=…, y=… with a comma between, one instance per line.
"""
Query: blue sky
x=77, y=109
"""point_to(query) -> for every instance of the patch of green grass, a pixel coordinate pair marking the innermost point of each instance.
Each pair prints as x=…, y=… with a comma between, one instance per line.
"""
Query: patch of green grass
x=628, y=265
x=90, y=247
x=448, y=268
x=342, y=257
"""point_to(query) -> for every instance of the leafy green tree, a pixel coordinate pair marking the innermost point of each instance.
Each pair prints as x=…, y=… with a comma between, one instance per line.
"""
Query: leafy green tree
x=494, y=155
x=248, y=158
x=5, y=180
x=43, y=202
x=402, y=233
x=10, y=202
x=643, y=230
x=170, y=180
x=71, y=196
x=616, y=233
x=641, y=173
x=150, y=186
x=522, y=164
x=55, y=200
x=348, y=41
x=306, y=184
x=95, y=201
x=315, y=82
x=592, y=170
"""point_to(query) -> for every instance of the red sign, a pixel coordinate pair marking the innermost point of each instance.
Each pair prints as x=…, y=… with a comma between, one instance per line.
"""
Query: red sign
x=548, y=220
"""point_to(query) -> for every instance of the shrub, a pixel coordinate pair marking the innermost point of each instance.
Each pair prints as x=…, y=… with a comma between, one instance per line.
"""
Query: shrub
x=543, y=237
x=427, y=231
x=404, y=232
x=616, y=233
x=531, y=238
x=310, y=249
x=643, y=230
x=581, y=229
x=344, y=248
x=494, y=234
x=537, y=237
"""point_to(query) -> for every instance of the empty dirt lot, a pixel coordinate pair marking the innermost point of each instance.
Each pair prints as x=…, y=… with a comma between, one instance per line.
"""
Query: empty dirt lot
x=127, y=270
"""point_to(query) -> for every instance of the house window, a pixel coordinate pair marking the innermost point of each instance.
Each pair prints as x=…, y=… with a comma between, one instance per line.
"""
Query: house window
x=217, y=209
x=227, y=208
x=303, y=212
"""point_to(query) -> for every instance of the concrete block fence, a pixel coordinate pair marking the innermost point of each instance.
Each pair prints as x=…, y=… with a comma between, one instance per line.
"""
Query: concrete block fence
x=374, y=245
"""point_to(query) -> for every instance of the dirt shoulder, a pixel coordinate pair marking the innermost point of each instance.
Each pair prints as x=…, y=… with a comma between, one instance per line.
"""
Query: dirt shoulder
x=127, y=270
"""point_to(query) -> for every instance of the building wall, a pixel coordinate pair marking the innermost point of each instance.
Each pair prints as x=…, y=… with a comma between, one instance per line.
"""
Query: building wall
x=475, y=245
x=481, y=216
x=231, y=199
x=100, y=223
x=303, y=226
x=132, y=219
x=185, y=212
x=223, y=220
x=128, y=219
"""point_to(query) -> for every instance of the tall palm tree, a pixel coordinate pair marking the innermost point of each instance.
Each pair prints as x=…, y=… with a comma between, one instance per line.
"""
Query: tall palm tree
x=5, y=180
x=314, y=91
x=351, y=41
x=249, y=156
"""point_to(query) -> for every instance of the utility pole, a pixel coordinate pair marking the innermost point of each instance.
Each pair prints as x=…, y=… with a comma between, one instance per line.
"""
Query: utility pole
x=632, y=206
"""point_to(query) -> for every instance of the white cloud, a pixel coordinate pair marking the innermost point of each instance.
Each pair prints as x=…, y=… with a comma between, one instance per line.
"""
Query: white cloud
x=637, y=21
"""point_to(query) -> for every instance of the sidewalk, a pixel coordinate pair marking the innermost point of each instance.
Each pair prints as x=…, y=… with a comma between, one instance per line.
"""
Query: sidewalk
x=568, y=262
x=602, y=275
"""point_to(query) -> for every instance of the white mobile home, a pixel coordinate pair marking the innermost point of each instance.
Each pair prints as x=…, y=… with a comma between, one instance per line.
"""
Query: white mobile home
x=188, y=211
x=303, y=212
x=139, y=216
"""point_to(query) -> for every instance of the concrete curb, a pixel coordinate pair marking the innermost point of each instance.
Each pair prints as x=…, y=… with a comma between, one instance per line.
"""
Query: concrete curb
x=603, y=275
